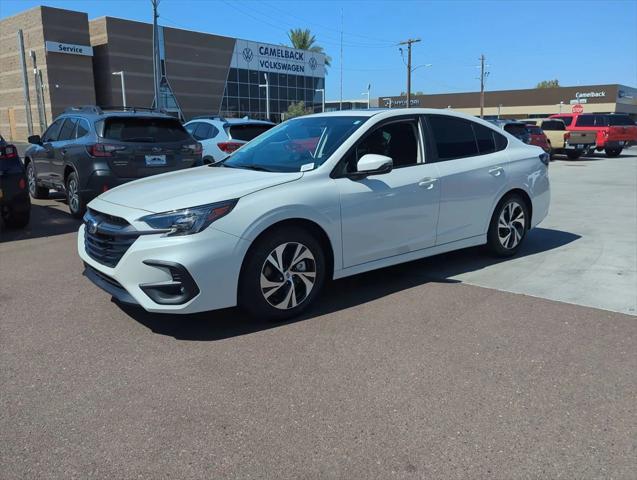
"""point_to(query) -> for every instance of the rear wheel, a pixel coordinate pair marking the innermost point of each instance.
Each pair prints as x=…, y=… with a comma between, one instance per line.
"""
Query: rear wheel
x=35, y=190
x=77, y=205
x=613, y=152
x=15, y=219
x=282, y=274
x=508, y=226
x=574, y=154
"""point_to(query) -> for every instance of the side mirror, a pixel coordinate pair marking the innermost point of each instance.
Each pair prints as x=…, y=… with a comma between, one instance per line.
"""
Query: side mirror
x=35, y=139
x=372, y=164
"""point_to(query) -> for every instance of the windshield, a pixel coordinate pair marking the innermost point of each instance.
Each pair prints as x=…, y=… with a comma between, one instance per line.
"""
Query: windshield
x=296, y=145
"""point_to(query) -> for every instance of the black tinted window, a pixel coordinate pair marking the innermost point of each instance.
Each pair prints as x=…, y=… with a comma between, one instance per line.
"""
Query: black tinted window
x=620, y=120
x=518, y=131
x=82, y=128
x=191, y=127
x=485, y=138
x=553, y=125
x=140, y=129
x=203, y=131
x=68, y=129
x=52, y=132
x=453, y=137
x=585, y=121
x=247, y=132
x=568, y=119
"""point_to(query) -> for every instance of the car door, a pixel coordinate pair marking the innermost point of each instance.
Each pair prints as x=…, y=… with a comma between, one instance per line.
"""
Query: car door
x=472, y=167
x=393, y=213
x=43, y=154
x=61, y=147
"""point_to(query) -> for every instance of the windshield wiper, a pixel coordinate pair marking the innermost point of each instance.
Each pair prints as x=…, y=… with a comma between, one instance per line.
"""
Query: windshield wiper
x=258, y=168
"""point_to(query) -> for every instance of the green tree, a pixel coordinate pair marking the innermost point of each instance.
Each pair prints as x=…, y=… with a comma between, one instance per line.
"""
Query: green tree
x=304, y=40
x=297, y=110
x=548, y=84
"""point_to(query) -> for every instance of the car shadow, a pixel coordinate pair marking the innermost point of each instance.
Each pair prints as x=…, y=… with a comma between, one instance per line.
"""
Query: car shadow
x=47, y=219
x=345, y=293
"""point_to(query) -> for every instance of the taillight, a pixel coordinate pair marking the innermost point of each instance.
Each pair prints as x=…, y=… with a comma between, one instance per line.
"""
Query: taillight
x=194, y=148
x=9, y=152
x=606, y=133
x=103, y=149
x=22, y=184
x=567, y=135
x=229, y=147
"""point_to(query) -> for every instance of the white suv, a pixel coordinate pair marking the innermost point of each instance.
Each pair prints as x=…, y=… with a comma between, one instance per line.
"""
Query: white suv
x=219, y=137
x=317, y=197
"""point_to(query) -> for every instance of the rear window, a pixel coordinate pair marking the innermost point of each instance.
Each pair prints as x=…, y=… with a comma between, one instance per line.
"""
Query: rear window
x=516, y=130
x=534, y=130
x=567, y=120
x=553, y=125
x=247, y=132
x=585, y=121
x=143, y=129
x=620, y=120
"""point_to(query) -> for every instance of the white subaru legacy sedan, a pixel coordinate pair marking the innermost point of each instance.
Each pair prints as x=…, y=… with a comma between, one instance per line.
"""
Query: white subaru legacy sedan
x=316, y=198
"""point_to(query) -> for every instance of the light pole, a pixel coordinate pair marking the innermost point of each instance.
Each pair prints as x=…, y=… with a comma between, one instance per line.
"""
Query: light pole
x=561, y=103
x=121, y=74
x=388, y=99
x=322, y=90
x=369, y=89
x=266, y=85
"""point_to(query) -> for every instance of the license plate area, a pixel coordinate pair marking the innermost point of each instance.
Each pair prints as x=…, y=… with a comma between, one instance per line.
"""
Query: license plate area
x=155, y=160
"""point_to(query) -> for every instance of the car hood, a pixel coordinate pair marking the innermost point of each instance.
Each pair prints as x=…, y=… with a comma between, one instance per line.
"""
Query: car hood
x=192, y=187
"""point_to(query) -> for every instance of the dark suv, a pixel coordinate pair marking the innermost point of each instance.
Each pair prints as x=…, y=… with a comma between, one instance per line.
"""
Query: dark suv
x=87, y=151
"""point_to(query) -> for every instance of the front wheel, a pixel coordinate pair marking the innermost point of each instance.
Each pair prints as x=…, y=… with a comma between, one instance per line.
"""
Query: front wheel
x=508, y=226
x=282, y=275
x=613, y=152
x=77, y=205
x=35, y=190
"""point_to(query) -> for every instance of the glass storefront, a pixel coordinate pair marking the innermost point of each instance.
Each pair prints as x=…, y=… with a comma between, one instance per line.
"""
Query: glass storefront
x=243, y=96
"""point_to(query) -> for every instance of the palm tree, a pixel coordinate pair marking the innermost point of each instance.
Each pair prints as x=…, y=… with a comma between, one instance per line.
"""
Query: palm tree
x=304, y=40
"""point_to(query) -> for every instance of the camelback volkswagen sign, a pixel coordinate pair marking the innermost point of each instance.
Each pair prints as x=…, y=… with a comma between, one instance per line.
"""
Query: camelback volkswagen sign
x=264, y=57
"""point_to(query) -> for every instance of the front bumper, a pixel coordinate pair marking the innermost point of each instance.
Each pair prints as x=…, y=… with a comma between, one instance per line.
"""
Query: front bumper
x=210, y=262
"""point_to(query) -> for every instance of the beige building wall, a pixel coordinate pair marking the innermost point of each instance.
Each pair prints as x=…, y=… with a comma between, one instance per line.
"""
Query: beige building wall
x=196, y=65
x=67, y=79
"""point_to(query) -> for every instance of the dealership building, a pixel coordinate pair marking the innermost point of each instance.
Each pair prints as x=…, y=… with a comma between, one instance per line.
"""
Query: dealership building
x=530, y=103
x=71, y=60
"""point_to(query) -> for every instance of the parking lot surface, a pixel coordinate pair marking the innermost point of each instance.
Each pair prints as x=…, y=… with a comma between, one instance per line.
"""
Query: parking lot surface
x=415, y=371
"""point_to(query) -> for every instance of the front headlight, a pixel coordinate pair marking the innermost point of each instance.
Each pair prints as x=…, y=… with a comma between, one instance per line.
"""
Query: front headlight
x=189, y=220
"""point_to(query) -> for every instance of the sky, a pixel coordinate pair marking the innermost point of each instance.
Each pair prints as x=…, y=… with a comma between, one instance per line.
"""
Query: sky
x=578, y=42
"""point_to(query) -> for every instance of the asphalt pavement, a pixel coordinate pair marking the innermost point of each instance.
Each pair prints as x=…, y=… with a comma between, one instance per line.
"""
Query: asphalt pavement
x=412, y=371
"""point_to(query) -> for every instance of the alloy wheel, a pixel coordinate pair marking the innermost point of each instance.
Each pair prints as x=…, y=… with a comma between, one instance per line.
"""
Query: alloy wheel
x=73, y=195
x=511, y=225
x=288, y=275
x=31, y=180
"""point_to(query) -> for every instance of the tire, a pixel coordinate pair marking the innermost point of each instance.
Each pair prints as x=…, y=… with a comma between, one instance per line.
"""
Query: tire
x=613, y=152
x=573, y=155
x=269, y=290
x=36, y=191
x=13, y=219
x=77, y=204
x=498, y=242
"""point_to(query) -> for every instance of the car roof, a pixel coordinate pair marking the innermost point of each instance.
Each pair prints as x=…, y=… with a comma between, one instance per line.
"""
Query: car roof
x=395, y=112
x=92, y=111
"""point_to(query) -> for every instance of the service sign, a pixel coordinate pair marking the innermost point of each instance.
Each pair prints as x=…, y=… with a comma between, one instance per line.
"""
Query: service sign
x=264, y=57
x=68, y=48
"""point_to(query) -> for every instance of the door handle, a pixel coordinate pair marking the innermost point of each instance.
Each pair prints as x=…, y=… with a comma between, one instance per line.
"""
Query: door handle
x=496, y=172
x=427, y=183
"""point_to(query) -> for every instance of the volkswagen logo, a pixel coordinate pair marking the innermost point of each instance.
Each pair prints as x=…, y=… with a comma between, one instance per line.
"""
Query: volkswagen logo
x=313, y=63
x=247, y=54
x=91, y=226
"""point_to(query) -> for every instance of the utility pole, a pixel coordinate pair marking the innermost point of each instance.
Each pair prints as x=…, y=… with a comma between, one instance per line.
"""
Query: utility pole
x=38, y=92
x=483, y=75
x=409, y=42
x=156, y=55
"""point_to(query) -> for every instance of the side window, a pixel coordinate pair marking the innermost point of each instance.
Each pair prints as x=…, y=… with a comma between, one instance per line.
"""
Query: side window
x=453, y=137
x=485, y=138
x=397, y=140
x=567, y=119
x=53, y=131
x=601, y=121
x=67, y=132
x=82, y=128
x=190, y=128
x=203, y=131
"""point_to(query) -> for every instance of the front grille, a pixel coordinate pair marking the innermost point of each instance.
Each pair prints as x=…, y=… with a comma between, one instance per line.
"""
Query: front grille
x=111, y=238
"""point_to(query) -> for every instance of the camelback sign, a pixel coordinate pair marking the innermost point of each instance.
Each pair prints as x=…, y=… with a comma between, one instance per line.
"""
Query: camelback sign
x=264, y=57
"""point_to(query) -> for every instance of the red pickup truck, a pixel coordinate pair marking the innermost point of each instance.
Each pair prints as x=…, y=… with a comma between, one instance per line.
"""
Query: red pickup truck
x=614, y=131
